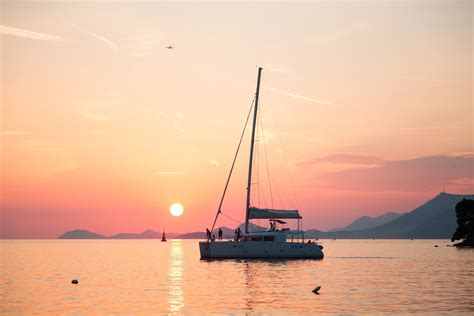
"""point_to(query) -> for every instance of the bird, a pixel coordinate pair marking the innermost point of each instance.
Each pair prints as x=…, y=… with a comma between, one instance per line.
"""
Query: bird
x=169, y=47
x=316, y=289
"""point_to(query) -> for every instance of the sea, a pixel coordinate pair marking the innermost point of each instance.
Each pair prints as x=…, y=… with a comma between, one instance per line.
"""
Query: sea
x=130, y=277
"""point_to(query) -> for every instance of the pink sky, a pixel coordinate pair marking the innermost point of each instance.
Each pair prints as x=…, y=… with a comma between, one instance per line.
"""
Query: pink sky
x=367, y=108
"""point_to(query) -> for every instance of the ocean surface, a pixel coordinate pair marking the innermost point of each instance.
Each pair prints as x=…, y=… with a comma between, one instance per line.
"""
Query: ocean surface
x=151, y=277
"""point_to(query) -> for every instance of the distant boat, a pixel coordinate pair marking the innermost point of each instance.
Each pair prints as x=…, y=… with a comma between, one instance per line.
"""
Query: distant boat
x=163, y=238
x=276, y=242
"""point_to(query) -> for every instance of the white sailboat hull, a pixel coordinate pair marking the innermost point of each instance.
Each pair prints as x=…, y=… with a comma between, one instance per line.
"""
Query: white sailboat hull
x=259, y=250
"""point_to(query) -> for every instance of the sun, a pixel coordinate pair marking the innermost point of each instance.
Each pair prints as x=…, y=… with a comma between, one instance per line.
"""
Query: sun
x=176, y=209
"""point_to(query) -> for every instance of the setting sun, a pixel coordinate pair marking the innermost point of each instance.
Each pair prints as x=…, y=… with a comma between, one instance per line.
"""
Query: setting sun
x=176, y=209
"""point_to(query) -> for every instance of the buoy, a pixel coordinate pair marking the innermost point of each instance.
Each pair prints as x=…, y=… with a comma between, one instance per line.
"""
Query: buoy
x=75, y=281
x=436, y=245
x=316, y=290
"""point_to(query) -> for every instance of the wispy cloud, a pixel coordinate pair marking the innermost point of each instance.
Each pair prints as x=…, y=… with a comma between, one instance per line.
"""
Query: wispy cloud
x=429, y=173
x=171, y=173
x=339, y=34
x=174, y=119
x=415, y=78
x=390, y=129
x=107, y=41
x=338, y=162
x=215, y=162
x=297, y=96
x=42, y=156
x=13, y=31
x=141, y=44
x=8, y=133
x=344, y=159
x=97, y=117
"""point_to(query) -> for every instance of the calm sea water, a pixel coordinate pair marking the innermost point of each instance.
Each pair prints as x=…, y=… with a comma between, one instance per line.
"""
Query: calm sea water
x=150, y=277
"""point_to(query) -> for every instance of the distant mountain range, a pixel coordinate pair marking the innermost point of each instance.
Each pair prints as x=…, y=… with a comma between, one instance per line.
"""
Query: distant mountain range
x=85, y=234
x=432, y=220
x=365, y=222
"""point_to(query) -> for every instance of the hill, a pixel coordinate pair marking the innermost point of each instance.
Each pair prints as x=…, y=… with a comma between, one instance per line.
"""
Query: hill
x=81, y=234
x=85, y=234
x=434, y=219
x=147, y=234
x=365, y=222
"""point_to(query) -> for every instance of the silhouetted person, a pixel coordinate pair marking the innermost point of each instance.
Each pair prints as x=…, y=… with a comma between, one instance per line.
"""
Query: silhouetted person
x=213, y=238
x=220, y=234
x=272, y=225
x=238, y=233
x=208, y=234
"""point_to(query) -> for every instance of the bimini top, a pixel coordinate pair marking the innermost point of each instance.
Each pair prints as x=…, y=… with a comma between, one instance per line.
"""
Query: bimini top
x=262, y=213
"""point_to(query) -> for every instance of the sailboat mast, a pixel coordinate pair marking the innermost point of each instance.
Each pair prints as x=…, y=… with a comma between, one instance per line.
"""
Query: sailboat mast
x=249, y=183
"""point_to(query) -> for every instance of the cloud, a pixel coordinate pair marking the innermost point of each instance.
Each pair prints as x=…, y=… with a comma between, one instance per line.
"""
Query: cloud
x=339, y=162
x=390, y=129
x=174, y=119
x=141, y=44
x=296, y=96
x=277, y=68
x=42, y=157
x=339, y=34
x=96, y=117
x=416, y=78
x=344, y=159
x=107, y=41
x=424, y=174
x=215, y=162
x=8, y=30
x=9, y=133
x=171, y=173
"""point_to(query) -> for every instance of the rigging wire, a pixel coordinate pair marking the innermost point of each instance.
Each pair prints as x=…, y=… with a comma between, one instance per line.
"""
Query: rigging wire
x=231, y=218
x=286, y=160
x=278, y=193
x=233, y=164
x=266, y=159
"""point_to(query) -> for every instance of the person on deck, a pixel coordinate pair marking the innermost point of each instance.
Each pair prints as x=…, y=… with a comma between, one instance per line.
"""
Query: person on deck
x=238, y=233
x=272, y=225
x=220, y=234
x=208, y=234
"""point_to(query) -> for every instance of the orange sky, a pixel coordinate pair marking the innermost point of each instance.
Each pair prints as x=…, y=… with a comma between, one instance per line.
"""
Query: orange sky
x=367, y=108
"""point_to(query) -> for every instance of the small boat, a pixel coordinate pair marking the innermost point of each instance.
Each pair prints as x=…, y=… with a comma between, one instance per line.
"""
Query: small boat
x=275, y=242
x=163, y=238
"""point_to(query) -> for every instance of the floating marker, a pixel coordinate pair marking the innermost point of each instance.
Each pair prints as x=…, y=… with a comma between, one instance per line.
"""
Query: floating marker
x=75, y=281
x=436, y=245
x=316, y=290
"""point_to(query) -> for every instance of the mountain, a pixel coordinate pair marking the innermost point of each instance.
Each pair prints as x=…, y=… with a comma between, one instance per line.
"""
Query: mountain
x=368, y=222
x=434, y=219
x=147, y=234
x=81, y=234
x=85, y=234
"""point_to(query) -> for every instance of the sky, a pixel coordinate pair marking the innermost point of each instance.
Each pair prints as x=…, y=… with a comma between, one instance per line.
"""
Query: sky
x=366, y=108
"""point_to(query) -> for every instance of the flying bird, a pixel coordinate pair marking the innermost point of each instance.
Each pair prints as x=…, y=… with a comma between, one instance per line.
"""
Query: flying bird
x=316, y=289
x=169, y=47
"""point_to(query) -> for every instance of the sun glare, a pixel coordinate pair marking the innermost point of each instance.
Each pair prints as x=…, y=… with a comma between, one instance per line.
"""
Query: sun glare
x=176, y=209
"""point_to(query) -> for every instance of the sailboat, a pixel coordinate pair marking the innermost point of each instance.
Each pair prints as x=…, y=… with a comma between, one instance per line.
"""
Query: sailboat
x=276, y=241
x=163, y=238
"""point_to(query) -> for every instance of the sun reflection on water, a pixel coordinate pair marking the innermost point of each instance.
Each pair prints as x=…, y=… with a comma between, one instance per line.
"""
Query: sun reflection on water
x=175, y=277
